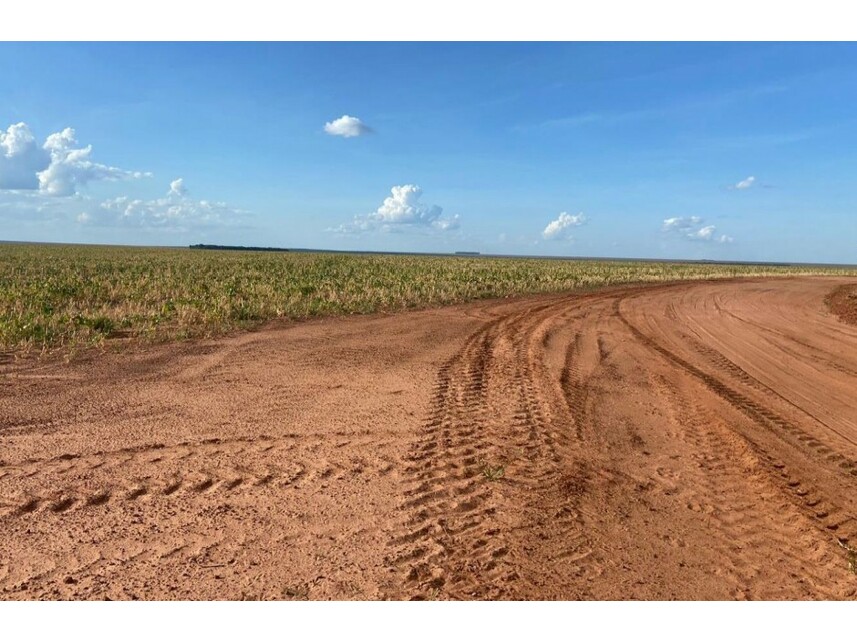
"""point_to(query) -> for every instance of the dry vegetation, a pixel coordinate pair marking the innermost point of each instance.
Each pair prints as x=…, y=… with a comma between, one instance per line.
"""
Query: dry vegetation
x=65, y=297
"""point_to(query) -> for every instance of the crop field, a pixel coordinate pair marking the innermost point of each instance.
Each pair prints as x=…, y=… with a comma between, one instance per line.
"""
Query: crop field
x=68, y=297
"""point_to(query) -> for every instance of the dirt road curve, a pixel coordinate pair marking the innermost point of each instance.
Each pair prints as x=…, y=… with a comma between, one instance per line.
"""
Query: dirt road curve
x=694, y=441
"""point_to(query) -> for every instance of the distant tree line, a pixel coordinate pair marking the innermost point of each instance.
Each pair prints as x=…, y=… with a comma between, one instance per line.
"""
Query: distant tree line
x=208, y=246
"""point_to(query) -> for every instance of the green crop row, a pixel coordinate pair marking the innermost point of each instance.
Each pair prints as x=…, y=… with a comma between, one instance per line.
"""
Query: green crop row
x=72, y=296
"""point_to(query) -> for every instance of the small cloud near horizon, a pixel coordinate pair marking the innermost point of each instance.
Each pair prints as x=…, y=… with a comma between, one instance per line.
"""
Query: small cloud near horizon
x=402, y=211
x=560, y=228
x=693, y=228
x=175, y=212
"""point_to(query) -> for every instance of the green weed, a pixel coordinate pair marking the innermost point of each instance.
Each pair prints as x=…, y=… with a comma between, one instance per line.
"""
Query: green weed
x=493, y=473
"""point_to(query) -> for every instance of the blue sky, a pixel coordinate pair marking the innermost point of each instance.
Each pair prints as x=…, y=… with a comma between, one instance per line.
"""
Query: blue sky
x=680, y=150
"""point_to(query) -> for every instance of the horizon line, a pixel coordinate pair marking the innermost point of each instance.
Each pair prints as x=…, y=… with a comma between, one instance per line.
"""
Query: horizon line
x=458, y=254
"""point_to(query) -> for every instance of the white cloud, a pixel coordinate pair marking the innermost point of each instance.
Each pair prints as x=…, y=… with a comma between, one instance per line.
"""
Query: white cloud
x=347, y=127
x=692, y=228
x=402, y=211
x=56, y=168
x=33, y=175
x=177, y=188
x=21, y=158
x=704, y=234
x=402, y=206
x=16, y=140
x=447, y=224
x=28, y=206
x=175, y=212
x=71, y=166
x=745, y=184
x=681, y=223
x=560, y=227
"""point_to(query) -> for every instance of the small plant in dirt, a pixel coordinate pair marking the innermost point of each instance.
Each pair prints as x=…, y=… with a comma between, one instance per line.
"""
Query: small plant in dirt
x=851, y=553
x=492, y=473
x=296, y=592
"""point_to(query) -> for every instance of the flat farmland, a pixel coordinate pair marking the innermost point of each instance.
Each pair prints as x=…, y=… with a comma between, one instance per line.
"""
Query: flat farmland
x=690, y=438
x=72, y=297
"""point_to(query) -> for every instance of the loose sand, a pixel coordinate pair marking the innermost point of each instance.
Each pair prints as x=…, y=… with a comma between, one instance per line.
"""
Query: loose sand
x=693, y=441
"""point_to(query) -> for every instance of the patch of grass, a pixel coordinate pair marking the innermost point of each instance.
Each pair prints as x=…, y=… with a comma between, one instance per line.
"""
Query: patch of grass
x=65, y=297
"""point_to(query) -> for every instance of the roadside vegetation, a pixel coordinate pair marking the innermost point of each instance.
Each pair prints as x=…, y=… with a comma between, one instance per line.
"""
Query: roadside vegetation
x=69, y=297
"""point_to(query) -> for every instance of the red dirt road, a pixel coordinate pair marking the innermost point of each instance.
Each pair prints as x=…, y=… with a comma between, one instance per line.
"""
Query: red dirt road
x=692, y=441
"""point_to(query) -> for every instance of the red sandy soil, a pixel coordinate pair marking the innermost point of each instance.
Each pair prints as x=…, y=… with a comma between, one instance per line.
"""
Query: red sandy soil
x=843, y=302
x=691, y=441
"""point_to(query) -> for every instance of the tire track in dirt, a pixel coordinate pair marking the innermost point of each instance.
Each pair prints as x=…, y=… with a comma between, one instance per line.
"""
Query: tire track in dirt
x=496, y=463
x=209, y=466
x=507, y=391
x=758, y=412
x=456, y=545
x=731, y=488
x=784, y=445
x=447, y=504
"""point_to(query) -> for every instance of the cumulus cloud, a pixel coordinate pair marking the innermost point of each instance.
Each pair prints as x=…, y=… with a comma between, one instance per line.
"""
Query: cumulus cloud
x=21, y=158
x=745, y=183
x=403, y=206
x=401, y=211
x=176, y=212
x=57, y=168
x=72, y=167
x=17, y=139
x=692, y=228
x=347, y=127
x=560, y=227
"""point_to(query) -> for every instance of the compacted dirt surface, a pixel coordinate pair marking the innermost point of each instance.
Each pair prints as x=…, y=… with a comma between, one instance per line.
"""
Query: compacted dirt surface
x=689, y=441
